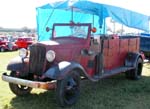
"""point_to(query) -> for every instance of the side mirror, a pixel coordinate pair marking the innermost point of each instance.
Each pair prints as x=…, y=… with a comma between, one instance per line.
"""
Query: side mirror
x=47, y=29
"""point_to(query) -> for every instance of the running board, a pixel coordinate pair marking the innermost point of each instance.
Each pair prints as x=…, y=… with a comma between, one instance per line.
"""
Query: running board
x=112, y=72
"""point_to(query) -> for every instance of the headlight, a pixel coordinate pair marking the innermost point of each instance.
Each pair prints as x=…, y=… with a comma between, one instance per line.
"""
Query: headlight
x=50, y=55
x=23, y=53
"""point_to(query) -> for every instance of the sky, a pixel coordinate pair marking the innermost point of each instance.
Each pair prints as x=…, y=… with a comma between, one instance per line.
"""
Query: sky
x=21, y=13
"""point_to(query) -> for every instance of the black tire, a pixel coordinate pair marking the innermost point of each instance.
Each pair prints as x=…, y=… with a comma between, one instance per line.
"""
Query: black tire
x=136, y=73
x=68, y=89
x=18, y=90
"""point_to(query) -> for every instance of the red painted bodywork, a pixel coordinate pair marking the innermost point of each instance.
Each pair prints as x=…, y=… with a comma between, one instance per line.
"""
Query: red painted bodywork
x=24, y=42
x=115, y=50
x=83, y=51
x=6, y=47
x=4, y=43
x=3, y=40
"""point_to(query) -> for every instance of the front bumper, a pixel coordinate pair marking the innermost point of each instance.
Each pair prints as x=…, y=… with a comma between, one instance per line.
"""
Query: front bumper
x=29, y=83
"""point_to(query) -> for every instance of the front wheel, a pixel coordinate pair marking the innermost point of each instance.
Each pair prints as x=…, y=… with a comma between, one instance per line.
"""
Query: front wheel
x=18, y=89
x=136, y=73
x=68, y=89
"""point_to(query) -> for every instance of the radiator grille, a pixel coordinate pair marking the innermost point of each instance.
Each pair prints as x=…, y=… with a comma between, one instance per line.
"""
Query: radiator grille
x=37, y=59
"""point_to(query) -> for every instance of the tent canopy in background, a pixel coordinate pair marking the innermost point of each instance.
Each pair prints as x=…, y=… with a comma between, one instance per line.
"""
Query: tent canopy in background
x=84, y=11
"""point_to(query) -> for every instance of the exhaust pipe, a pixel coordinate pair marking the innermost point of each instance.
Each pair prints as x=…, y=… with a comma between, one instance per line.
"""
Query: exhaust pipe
x=29, y=83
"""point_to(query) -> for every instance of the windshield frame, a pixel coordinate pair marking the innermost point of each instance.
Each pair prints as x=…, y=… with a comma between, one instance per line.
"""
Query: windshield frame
x=71, y=24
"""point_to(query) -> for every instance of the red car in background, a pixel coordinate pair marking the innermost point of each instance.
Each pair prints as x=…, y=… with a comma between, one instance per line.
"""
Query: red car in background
x=3, y=40
x=6, y=44
x=24, y=42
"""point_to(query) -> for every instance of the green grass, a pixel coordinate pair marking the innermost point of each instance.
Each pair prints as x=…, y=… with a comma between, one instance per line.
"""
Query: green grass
x=112, y=93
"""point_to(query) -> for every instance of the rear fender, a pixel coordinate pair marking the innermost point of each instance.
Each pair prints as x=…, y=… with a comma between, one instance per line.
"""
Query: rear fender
x=19, y=64
x=132, y=59
x=61, y=70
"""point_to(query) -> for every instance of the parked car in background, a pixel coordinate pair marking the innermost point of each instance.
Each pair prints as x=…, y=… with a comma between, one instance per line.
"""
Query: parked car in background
x=24, y=42
x=3, y=40
x=7, y=45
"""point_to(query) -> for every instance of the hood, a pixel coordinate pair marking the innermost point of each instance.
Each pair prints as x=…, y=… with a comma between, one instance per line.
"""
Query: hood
x=63, y=41
x=49, y=42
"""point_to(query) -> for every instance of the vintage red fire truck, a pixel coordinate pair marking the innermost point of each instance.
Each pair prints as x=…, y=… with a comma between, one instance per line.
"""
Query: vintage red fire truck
x=73, y=52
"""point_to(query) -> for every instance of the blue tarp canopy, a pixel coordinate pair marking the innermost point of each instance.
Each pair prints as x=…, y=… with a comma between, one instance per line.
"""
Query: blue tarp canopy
x=85, y=12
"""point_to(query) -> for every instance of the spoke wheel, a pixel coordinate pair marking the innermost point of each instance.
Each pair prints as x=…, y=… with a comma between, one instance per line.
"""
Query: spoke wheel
x=68, y=89
x=18, y=89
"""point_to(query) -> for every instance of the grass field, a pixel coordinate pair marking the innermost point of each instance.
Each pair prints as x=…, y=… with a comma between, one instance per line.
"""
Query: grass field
x=112, y=93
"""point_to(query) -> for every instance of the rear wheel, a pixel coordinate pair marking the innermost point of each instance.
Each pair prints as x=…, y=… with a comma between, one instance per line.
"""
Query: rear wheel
x=136, y=73
x=18, y=89
x=68, y=89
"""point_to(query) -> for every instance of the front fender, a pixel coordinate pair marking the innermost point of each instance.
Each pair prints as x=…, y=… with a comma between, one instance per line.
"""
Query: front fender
x=3, y=46
x=132, y=58
x=18, y=64
x=62, y=69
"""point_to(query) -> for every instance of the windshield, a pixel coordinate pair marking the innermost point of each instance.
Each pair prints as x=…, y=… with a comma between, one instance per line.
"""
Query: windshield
x=79, y=31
